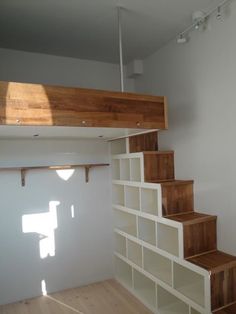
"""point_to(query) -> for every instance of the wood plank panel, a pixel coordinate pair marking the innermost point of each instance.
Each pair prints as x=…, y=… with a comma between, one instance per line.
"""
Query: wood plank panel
x=223, y=288
x=159, y=166
x=143, y=142
x=34, y=104
x=177, y=197
x=200, y=237
x=231, y=309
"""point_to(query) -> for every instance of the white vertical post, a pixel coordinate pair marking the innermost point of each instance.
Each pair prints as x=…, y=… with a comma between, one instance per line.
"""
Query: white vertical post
x=120, y=50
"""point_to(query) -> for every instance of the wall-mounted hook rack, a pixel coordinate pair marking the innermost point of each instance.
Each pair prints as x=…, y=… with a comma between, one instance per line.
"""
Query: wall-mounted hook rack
x=23, y=170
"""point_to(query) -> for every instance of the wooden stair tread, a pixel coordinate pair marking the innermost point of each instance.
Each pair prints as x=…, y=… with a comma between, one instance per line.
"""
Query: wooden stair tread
x=158, y=152
x=214, y=261
x=191, y=218
x=231, y=309
x=176, y=182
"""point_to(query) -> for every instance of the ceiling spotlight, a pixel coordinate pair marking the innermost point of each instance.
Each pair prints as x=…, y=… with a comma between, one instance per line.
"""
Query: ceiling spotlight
x=198, y=19
x=182, y=39
x=218, y=15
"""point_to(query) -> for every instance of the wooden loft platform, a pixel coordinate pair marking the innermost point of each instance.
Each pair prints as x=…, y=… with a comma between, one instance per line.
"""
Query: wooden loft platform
x=42, y=105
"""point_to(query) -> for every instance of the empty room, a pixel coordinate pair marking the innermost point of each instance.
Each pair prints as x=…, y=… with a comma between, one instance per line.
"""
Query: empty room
x=117, y=158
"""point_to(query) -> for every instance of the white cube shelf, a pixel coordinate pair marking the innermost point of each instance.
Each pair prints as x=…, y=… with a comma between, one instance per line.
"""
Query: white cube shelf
x=132, y=199
x=125, y=169
x=120, y=244
x=125, y=222
x=135, y=169
x=134, y=252
x=149, y=201
x=169, y=304
x=123, y=272
x=168, y=239
x=189, y=283
x=145, y=288
x=116, y=169
x=193, y=311
x=158, y=265
x=147, y=230
x=118, y=194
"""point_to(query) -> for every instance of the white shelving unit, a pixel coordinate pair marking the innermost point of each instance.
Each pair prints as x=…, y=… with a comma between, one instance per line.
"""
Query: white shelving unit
x=149, y=257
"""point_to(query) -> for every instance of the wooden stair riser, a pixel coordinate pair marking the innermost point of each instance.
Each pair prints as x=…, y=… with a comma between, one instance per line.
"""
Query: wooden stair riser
x=177, y=197
x=159, y=167
x=200, y=237
x=223, y=288
x=231, y=309
x=143, y=142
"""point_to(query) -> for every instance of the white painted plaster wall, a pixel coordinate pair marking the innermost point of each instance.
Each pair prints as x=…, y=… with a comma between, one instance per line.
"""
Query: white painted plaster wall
x=30, y=67
x=199, y=79
x=83, y=244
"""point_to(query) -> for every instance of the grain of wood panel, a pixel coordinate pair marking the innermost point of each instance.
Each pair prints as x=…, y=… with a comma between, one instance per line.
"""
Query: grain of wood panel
x=143, y=142
x=99, y=298
x=177, y=197
x=231, y=309
x=223, y=288
x=35, y=104
x=159, y=166
x=200, y=237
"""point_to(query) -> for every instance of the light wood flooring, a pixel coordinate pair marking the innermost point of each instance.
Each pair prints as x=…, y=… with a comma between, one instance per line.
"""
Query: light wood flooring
x=107, y=297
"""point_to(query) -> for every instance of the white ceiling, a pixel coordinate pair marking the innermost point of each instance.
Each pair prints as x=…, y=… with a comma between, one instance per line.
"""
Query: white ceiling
x=87, y=29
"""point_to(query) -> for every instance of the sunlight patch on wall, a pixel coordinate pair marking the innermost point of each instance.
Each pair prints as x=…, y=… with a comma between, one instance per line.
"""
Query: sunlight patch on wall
x=72, y=208
x=44, y=287
x=44, y=224
x=65, y=174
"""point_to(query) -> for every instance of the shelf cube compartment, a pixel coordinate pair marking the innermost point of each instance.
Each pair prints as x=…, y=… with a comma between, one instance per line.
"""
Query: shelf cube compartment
x=145, y=288
x=135, y=169
x=120, y=244
x=149, y=201
x=125, y=169
x=134, y=252
x=193, y=311
x=125, y=222
x=158, y=265
x=167, y=303
x=123, y=272
x=132, y=199
x=118, y=195
x=168, y=239
x=189, y=283
x=147, y=230
x=116, y=169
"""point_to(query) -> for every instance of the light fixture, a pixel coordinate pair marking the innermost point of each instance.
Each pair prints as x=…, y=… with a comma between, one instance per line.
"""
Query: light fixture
x=182, y=39
x=199, y=18
x=219, y=15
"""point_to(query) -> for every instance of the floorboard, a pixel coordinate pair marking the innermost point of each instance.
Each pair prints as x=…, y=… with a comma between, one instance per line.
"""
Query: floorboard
x=107, y=297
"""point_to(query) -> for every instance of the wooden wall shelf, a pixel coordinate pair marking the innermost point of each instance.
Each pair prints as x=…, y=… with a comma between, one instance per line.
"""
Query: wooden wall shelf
x=23, y=170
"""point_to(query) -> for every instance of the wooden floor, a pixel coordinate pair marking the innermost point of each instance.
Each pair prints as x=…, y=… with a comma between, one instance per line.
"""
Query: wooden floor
x=107, y=297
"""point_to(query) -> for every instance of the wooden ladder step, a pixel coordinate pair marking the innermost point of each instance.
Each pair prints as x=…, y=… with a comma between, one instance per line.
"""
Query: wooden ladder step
x=199, y=232
x=222, y=269
x=177, y=197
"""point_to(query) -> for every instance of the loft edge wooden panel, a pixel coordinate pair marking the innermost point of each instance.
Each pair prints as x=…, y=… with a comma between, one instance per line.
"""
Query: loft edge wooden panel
x=35, y=104
x=143, y=142
x=177, y=197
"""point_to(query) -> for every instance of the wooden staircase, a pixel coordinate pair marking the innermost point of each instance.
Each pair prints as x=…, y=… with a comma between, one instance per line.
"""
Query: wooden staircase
x=199, y=230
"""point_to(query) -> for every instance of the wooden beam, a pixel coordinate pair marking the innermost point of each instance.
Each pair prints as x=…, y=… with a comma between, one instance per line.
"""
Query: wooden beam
x=41, y=105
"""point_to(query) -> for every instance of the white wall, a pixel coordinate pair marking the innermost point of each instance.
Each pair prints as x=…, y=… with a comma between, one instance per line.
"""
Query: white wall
x=30, y=67
x=83, y=244
x=199, y=79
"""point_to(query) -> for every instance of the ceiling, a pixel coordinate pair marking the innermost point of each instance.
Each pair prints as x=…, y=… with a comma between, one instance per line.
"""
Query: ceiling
x=59, y=132
x=87, y=29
